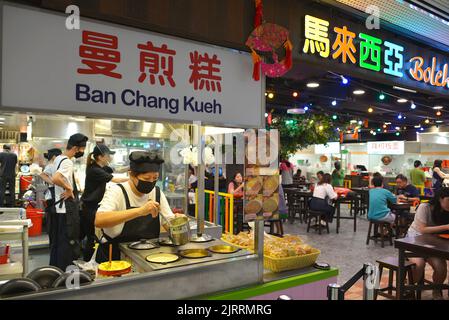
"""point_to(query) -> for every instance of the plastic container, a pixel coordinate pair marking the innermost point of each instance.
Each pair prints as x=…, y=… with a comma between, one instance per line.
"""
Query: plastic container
x=25, y=182
x=36, y=216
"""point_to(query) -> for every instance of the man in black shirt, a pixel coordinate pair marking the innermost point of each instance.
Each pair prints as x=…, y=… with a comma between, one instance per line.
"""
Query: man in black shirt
x=8, y=163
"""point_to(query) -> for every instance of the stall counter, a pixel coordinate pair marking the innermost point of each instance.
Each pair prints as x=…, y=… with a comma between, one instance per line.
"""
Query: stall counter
x=302, y=284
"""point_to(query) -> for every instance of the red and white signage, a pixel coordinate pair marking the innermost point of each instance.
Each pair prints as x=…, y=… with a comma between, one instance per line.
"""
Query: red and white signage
x=109, y=70
x=386, y=147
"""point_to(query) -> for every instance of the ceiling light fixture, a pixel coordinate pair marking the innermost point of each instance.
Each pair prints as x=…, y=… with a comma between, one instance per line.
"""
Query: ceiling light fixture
x=334, y=102
x=313, y=85
x=402, y=100
x=370, y=110
x=412, y=106
x=438, y=113
x=344, y=80
x=271, y=95
x=404, y=89
x=381, y=96
x=295, y=94
x=438, y=107
x=359, y=92
x=296, y=111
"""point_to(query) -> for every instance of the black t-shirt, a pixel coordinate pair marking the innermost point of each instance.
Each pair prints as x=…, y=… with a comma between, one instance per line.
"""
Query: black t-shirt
x=8, y=162
x=95, y=185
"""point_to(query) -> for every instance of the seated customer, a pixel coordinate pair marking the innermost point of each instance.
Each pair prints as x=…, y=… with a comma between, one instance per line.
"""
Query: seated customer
x=406, y=191
x=378, y=202
x=432, y=217
x=323, y=194
x=298, y=178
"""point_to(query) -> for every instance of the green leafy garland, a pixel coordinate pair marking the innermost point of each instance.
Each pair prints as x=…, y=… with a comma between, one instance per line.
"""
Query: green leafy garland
x=300, y=131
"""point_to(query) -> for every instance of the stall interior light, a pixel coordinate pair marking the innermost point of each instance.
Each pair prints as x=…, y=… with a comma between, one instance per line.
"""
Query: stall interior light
x=418, y=126
x=404, y=89
x=439, y=121
x=295, y=94
x=2, y=119
x=359, y=92
x=313, y=85
x=402, y=100
x=271, y=95
x=296, y=111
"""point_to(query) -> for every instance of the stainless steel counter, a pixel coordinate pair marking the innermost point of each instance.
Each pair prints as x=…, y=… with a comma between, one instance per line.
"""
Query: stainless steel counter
x=137, y=257
x=182, y=282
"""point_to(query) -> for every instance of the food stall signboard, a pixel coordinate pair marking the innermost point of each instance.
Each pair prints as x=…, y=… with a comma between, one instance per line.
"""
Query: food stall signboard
x=329, y=148
x=386, y=147
x=109, y=70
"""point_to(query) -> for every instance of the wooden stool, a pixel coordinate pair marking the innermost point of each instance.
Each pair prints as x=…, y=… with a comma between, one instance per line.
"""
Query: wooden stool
x=272, y=223
x=391, y=263
x=384, y=226
x=318, y=215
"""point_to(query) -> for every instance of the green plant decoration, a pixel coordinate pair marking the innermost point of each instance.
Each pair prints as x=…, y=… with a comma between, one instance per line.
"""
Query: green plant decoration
x=300, y=131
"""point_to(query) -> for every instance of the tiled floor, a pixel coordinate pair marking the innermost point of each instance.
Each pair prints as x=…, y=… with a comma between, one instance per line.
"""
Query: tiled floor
x=348, y=251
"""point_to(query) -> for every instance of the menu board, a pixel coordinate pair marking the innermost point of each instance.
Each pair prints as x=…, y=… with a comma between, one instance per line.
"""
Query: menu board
x=261, y=200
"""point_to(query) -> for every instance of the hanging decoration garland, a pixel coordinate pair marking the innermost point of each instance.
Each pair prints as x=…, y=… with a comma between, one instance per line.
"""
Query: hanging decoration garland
x=268, y=37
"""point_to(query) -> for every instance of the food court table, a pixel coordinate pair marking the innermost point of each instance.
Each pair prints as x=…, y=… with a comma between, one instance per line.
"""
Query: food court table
x=351, y=200
x=300, y=195
x=424, y=246
x=400, y=210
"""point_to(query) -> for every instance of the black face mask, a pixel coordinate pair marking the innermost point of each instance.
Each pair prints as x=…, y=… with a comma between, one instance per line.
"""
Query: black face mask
x=145, y=187
x=79, y=154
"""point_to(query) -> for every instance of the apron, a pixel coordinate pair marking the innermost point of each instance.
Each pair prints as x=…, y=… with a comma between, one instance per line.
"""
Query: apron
x=139, y=228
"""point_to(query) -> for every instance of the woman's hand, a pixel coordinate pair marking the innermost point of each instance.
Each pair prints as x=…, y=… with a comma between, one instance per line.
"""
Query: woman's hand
x=151, y=207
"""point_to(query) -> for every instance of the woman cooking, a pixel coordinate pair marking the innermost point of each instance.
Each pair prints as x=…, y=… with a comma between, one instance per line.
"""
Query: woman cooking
x=130, y=211
x=97, y=176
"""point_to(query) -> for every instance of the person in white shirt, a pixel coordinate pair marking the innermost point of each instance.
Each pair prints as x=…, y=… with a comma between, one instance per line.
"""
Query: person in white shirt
x=65, y=247
x=46, y=175
x=130, y=211
x=323, y=194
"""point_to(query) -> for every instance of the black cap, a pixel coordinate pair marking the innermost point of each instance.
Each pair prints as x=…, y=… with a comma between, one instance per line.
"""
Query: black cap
x=78, y=140
x=52, y=153
x=143, y=161
x=102, y=149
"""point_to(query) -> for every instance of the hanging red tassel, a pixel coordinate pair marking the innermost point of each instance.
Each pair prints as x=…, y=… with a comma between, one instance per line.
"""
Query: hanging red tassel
x=341, y=137
x=259, y=14
x=288, y=62
x=256, y=62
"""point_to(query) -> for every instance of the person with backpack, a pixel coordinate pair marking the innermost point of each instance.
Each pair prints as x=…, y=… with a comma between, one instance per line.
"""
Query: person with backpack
x=65, y=246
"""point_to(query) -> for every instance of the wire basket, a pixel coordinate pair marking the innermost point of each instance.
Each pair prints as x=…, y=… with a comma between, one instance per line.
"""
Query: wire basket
x=291, y=263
